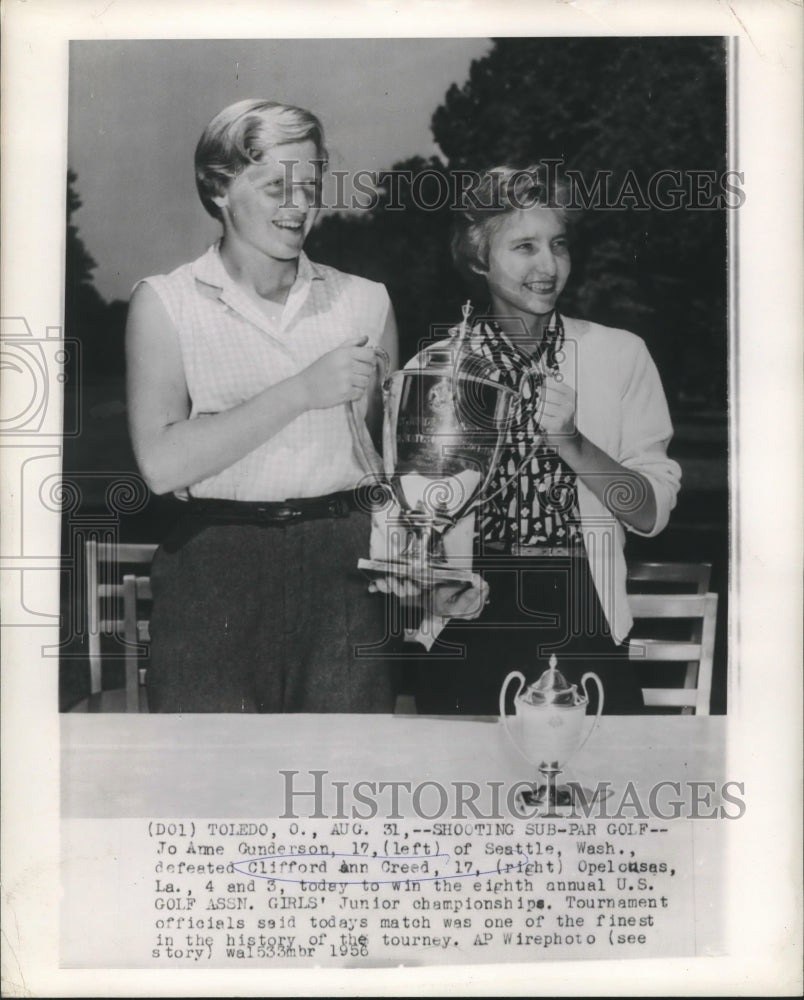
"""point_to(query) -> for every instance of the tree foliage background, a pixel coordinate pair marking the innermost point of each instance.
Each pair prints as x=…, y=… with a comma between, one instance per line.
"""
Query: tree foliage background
x=99, y=325
x=597, y=104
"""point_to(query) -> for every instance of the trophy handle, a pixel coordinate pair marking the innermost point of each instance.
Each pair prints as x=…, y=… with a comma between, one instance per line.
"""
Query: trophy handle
x=514, y=675
x=364, y=446
x=592, y=677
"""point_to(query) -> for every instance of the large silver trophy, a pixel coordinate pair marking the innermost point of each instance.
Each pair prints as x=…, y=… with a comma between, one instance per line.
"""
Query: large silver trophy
x=446, y=415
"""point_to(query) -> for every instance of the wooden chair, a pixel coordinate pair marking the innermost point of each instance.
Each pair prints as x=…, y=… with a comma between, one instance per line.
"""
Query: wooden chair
x=136, y=632
x=691, y=644
x=113, y=606
x=653, y=577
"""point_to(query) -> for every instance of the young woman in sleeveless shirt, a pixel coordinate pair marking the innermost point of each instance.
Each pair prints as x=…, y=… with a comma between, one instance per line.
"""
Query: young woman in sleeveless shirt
x=241, y=366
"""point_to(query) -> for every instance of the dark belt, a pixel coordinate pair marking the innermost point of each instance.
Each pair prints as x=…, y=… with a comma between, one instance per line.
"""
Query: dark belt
x=277, y=512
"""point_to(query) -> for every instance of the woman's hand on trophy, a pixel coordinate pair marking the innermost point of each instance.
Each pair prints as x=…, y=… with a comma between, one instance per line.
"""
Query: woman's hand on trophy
x=448, y=599
x=557, y=411
x=340, y=376
x=404, y=588
x=460, y=600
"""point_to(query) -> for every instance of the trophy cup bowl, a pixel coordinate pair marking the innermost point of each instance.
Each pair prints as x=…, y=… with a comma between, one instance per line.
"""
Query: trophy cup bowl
x=547, y=728
x=446, y=415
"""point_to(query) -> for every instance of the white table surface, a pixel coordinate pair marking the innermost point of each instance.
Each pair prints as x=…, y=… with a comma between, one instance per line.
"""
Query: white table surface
x=116, y=766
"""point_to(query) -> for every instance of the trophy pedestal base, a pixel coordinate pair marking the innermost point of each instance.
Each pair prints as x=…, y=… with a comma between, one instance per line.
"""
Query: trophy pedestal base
x=549, y=797
x=430, y=623
x=424, y=576
x=556, y=796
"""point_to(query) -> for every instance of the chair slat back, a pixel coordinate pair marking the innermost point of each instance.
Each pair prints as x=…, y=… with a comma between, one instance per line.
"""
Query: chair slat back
x=109, y=588
x=697, y=575
x=667, y=605
x=695, y=648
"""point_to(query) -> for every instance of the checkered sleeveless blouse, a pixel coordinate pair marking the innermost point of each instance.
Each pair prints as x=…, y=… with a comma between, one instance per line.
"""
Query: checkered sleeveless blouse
x=231, y=351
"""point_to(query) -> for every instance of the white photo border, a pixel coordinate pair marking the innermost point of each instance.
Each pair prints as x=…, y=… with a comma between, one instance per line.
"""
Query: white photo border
x=766, y=419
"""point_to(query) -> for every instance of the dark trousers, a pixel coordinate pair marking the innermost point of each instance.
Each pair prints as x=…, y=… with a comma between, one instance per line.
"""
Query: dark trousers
x=538, y=606
x=266, y=618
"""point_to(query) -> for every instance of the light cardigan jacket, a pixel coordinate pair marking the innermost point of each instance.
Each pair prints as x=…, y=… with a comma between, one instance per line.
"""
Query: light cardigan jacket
x=621, y=407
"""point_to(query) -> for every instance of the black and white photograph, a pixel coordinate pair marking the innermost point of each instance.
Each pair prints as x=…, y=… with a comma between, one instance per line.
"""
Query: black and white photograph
x=249, y=473
x=392, y=573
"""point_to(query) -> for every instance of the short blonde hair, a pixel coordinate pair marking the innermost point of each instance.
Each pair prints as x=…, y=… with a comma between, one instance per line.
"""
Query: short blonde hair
x=501, y=190
x=241, y=134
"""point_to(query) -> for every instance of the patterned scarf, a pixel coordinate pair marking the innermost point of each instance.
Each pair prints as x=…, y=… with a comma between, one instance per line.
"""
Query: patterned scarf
x=539, y=505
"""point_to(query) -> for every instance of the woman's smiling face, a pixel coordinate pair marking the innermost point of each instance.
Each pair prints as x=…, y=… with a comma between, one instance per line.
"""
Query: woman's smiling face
x=271, y=206
x=528, y=263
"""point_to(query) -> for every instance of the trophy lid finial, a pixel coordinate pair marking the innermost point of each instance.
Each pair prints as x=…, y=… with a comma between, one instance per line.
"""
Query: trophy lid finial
x=466, y=312
x=552, y=687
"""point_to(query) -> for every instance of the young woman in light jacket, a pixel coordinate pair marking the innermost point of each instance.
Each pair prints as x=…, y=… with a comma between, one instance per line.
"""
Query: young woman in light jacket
x=585, y=462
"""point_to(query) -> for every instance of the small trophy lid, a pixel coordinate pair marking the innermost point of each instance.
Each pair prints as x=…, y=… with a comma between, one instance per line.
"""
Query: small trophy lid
x=552, y=687
x=447, y=351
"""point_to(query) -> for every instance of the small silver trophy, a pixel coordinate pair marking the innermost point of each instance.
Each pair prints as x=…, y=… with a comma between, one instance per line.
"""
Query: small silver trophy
x=547, y=728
